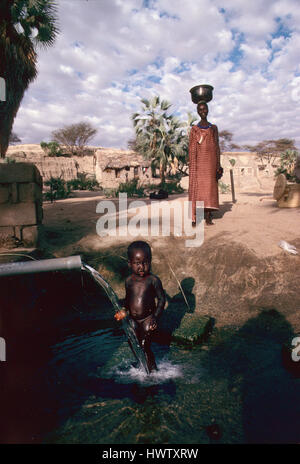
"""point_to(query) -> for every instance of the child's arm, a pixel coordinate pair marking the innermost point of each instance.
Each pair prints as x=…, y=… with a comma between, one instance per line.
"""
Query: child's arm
x=160, y=295
x=123, y=312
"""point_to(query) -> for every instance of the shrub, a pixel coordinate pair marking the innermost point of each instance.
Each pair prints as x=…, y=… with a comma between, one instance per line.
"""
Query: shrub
x=171, y=187
x=287, y=165
x=83, y=182
x=52, y=149
x=224, y=188
x=58, y=189
x=132, y=188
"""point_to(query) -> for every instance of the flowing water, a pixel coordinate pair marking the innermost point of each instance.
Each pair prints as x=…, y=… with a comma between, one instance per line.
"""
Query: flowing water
x=84, y=388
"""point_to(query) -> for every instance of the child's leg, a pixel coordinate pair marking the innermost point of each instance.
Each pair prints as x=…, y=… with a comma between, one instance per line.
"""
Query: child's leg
x=144, y=335
x=146, y=344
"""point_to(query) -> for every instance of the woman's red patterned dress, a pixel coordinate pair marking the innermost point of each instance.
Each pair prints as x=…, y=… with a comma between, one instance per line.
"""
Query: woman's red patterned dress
x=204, y=157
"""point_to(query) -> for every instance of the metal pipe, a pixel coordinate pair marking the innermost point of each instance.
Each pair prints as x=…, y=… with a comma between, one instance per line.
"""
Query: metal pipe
x=43, y=265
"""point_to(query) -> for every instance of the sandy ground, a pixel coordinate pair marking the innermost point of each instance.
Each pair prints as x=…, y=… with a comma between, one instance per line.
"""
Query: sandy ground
x=238, y=270
x=254, y=220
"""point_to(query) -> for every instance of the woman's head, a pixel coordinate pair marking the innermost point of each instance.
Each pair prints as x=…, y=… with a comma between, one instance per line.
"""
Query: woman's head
x=202, y=109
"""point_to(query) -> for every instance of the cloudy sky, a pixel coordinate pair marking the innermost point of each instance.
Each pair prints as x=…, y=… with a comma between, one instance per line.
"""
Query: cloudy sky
x=112, y=53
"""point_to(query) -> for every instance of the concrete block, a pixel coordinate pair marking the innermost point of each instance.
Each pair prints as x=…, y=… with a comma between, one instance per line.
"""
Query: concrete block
x=19, y=172
x=14, y=198
x=30, y=192
x=193, y=329
x=30, y=235
x=39, y=213
x=4, y=193
x=18, y=214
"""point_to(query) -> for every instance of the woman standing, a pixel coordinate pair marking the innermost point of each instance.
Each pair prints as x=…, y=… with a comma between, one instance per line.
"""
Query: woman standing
x=204, y=163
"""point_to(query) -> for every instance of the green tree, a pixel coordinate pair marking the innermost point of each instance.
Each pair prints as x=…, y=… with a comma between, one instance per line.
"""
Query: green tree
x=24, y=25
x=226, y=144
x=288, y=160
x=75, y=137
x=268, y=150
x=160, y=137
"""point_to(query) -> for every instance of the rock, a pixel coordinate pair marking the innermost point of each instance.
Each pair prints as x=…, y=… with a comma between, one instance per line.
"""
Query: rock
x=193, y=329
x=290, y=352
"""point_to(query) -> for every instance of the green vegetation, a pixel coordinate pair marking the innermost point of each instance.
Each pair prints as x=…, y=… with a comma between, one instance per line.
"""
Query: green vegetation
x=224, y=188
x=169, y=187
x=83, y=182
x=58, y=189
x=269, y=150
x=132, y=188
x=287, y=165
x=160, y=137
x=23, y=26
x=226, y=143
x=75, y=137
x=52, y=149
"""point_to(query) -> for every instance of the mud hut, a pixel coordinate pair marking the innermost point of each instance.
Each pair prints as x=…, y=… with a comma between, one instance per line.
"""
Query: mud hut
x=115, y=166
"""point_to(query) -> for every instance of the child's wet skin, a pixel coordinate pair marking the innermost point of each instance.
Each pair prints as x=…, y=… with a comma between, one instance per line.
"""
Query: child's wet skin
x=142, y=291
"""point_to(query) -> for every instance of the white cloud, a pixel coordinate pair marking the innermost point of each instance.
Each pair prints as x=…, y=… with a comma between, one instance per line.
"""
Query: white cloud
x=111, y=54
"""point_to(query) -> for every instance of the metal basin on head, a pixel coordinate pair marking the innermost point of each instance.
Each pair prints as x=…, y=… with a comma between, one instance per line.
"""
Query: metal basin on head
x=202, y=92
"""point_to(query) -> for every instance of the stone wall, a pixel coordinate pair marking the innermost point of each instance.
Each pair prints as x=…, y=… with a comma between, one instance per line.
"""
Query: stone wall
x=50, y=166
x=21, y=211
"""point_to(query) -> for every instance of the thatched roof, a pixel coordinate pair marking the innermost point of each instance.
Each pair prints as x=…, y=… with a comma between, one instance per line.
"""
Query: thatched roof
x=114, y=158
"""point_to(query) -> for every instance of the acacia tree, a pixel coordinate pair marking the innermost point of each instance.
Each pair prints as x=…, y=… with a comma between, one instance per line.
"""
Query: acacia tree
x=226, y=144
x=159, y=136
x=24, y=25
x=268, y=150
x=75, y=137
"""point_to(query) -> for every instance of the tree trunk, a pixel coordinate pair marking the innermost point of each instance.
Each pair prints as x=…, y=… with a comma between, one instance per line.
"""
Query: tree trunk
x=162, y=174
x=8, y=111
x=4, y=140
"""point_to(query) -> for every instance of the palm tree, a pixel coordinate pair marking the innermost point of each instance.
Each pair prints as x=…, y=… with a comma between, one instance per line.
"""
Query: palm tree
x=158, y=135
x=24, y=24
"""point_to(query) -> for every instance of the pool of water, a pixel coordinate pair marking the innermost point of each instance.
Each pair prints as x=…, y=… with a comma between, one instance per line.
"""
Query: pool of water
x=78, y=384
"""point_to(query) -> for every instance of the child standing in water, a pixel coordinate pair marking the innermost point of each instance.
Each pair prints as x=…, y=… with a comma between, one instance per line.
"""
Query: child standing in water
x=142, y=291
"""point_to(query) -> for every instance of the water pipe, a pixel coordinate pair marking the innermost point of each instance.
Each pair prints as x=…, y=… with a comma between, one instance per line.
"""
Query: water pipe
x=43, y=265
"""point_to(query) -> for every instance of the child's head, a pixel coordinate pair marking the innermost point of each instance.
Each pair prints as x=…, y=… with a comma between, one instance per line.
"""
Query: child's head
x=139, y=258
